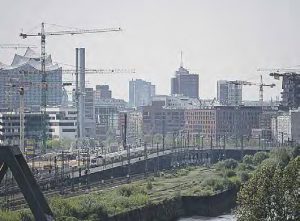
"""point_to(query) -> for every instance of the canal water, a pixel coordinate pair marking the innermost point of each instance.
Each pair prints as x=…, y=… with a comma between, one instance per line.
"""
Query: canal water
x=200, y=218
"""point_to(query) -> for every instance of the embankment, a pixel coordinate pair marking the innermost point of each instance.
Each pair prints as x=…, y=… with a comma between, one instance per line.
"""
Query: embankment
x=174, y=208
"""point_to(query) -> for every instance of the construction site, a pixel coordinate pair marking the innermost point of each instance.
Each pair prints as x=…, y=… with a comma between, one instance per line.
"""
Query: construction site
x=62, y=136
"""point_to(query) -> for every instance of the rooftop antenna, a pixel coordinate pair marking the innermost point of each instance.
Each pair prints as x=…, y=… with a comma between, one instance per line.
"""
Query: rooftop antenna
x=181, y=61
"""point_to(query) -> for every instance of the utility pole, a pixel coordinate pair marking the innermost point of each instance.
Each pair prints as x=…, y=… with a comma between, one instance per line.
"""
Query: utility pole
x=146, y=159
x=126, y=147
x=163, y=141
x=188, y=138
x=282, y=142
x=88, y=169
x=22, y=120
x=157, y=157
x=62, y=172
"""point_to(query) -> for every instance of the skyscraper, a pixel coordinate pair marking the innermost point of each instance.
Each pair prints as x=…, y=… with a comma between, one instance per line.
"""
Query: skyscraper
x=291, y=91
x=140, y=92
x=102, y=92
x=228, y=93
x=185, y=83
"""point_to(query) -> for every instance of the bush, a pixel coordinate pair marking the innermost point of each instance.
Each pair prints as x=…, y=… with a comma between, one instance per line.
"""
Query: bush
x=217, y=183
x=182, y=172
x=230, y=173
x=244, y=176
x=248, y=159
x=295, y=152
x=9, y=216
x=282, y=155
x=259, y=157
x=26, y=215
x=223, y=184
x=128, y=190
x=149, y=185
x=227, y=164
x=230, y=163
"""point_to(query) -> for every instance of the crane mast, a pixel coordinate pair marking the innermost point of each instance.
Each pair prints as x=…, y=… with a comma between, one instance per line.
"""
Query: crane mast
x=43, y=35
x=261, y=86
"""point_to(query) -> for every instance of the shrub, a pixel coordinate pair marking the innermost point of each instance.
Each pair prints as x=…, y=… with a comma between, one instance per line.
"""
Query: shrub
x=230, y=173
x=60, y=207
x=248, y=159
x=149, y=185
x=259, y=157
x=282, y=155
x=227, y=164
x=295, y=152
x=9, y=216
x=230, y=164
x=182, y=172
x=128, y=190
x=26, y=215
x=245, y=167
x=244, y=176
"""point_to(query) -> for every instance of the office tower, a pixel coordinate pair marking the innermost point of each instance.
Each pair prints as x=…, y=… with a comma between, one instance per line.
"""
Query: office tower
x=140, y=93
x=228, y=93
x=185, y=83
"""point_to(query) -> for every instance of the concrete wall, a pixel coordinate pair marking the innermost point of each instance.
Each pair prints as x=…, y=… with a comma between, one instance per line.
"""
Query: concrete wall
x=166, y=162
x=183, y=206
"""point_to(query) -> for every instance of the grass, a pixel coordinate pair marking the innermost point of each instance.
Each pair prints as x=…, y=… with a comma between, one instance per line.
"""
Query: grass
x=189, y=181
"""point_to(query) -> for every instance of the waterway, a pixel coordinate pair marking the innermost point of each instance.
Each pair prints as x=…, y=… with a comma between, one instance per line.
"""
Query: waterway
x=201, y=218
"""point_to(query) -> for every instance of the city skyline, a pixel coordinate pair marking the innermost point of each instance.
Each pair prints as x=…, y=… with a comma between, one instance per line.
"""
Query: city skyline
x=215, y=44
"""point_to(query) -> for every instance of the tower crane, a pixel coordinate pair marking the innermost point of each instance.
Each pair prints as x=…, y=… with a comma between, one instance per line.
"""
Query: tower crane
x=261, y=86
x=22, y=86
x=43, y=35
x=290, y=85
x=16, y=46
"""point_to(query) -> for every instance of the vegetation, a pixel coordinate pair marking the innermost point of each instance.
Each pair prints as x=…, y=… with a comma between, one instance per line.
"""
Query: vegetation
x=272, y=193
x=59, y=144
x=259, y=175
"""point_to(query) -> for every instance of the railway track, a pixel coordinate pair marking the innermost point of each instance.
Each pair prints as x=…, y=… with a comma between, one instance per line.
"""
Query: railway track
x=20, y=203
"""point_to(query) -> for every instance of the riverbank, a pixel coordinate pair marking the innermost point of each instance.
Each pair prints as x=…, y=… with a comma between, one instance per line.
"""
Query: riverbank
x=172, y=187
x=201, y=218
x=183, y=206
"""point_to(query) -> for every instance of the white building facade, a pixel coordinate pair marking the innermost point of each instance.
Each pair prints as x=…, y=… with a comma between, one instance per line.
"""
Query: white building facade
x=62, y=122
x=286, y=127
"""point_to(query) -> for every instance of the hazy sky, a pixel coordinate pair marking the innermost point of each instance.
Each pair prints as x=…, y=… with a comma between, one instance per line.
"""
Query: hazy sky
x=220, y=39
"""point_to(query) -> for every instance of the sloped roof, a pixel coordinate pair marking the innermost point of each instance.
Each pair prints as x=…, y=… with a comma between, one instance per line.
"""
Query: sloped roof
x=30, y=58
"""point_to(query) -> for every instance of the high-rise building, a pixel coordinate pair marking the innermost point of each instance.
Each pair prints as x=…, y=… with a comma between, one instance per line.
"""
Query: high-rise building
x=102, y=92
x=25, y=71
x=228, y=93
x=185, y=83
x=10, y=127
x=140, y=93
x=291, y=91
x=89, y=116
x=107, y=117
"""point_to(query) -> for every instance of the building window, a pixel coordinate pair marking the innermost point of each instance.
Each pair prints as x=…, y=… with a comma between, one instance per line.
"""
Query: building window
x=68, y=130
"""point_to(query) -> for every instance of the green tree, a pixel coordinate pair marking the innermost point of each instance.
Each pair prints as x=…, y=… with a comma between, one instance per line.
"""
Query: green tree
x=259, y=157
x=272, y=193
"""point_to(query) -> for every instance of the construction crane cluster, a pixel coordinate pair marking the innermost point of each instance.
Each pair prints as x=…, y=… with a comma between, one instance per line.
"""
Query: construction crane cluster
x=42, y=34
x=290, y=85
x=261, y=86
